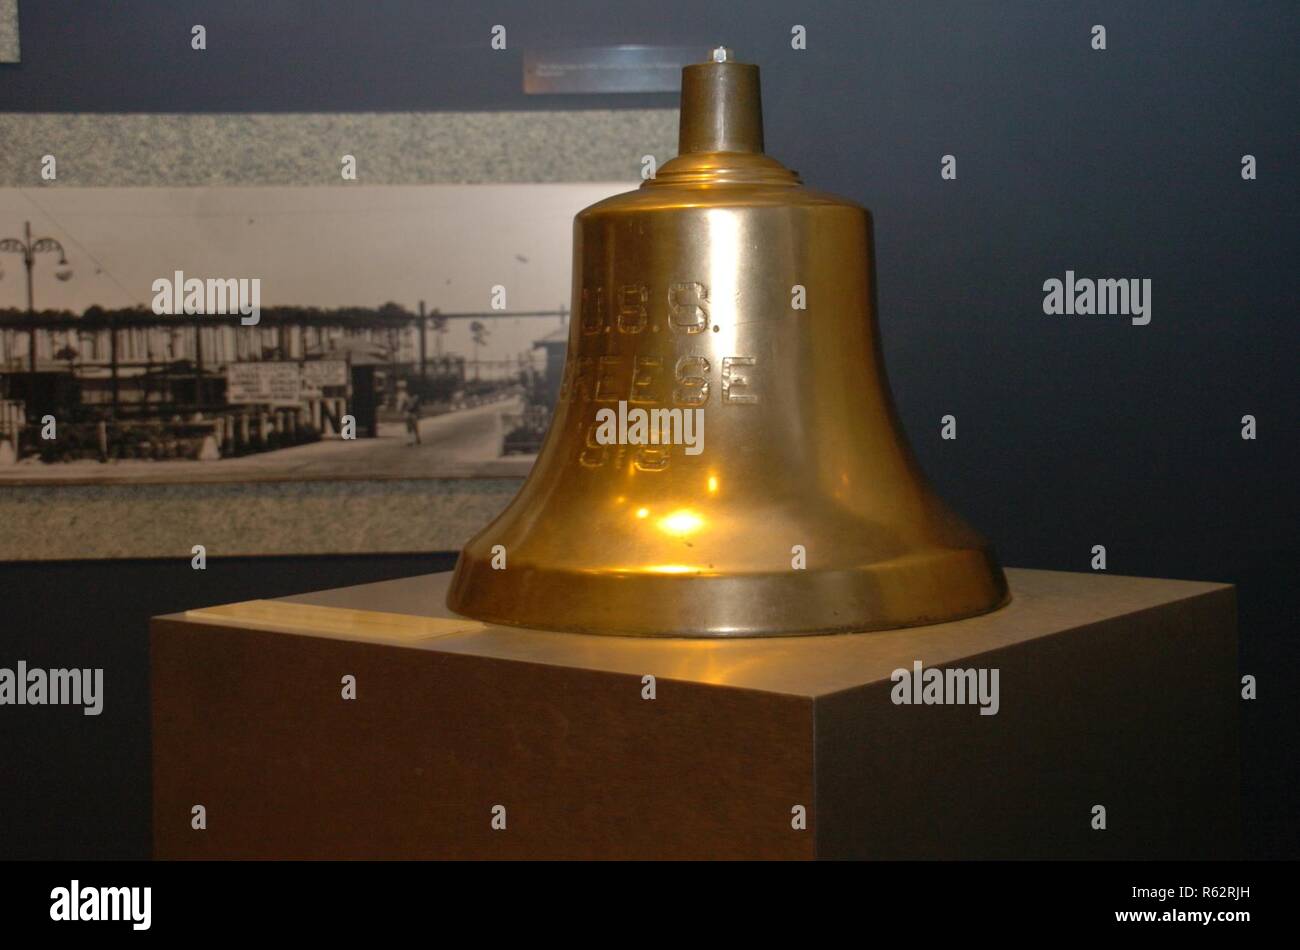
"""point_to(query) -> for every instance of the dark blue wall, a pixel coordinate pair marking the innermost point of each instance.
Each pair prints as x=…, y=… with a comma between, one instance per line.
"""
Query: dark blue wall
x=1073, y=431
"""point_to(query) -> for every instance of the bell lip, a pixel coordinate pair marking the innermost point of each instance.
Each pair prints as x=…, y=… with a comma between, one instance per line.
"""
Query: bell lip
x=988, y=574
x=846, y=630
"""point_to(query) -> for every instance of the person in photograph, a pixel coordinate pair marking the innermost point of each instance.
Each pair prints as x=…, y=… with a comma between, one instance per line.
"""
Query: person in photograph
x=412, y=410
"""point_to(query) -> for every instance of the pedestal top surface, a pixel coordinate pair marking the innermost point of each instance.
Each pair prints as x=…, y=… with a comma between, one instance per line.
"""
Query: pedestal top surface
x=411, y=612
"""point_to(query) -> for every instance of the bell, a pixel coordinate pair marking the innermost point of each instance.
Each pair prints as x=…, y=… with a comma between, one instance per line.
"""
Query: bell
x=725, y=459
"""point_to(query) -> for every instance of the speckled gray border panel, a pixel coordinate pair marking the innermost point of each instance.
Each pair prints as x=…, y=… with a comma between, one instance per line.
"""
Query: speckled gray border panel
x=397, y=148
x=246, y=518
x=9, y=31
x=319, y=517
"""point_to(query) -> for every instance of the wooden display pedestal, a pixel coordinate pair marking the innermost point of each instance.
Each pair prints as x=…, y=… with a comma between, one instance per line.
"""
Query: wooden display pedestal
x=1117, y=692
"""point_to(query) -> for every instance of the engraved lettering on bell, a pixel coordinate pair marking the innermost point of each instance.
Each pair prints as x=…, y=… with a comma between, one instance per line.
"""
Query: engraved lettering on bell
x=692, y=381
x=688, y=303
x=804, y=445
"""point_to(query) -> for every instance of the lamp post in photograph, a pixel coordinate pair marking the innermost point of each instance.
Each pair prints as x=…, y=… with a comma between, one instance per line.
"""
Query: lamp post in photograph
x=29, y=247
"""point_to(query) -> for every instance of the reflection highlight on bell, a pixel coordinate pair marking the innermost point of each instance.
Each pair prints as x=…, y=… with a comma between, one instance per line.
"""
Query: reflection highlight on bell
x=680, y=523
x=725, y=268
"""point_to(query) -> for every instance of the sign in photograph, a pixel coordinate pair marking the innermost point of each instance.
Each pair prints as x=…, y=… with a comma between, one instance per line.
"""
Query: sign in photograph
x=276, y=384
x=317, y=374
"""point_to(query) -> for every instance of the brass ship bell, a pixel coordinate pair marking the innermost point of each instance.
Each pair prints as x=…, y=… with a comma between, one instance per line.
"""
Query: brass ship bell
x=725, y=459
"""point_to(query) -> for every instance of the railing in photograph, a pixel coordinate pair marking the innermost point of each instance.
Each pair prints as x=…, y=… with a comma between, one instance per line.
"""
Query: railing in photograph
x=228, y=433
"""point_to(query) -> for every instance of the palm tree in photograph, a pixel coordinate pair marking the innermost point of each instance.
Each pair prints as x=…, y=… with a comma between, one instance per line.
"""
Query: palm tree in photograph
x=479, y=332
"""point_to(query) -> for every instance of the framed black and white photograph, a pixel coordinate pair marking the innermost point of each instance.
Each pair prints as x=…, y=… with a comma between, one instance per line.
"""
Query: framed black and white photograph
x=246, y=334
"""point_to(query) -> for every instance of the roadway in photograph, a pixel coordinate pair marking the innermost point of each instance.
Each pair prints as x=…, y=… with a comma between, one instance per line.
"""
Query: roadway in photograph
x=457, y=444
